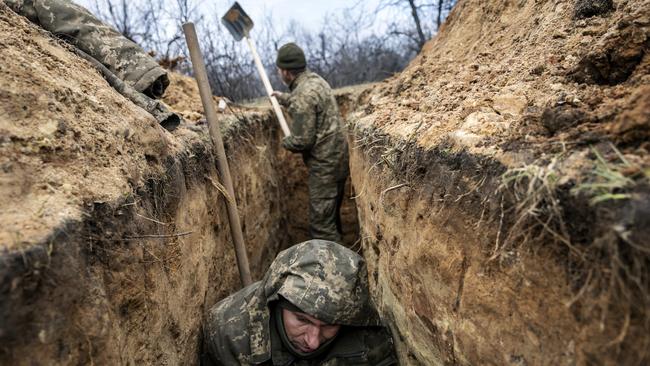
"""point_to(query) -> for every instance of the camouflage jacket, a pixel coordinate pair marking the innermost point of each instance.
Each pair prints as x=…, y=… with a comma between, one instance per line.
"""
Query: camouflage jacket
x=78, y=26
x=317, y=129
x=323, y=279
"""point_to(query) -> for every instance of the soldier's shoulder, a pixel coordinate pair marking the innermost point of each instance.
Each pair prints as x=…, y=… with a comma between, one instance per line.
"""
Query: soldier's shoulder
x=229, y=317
x=233, y=305
x=312, y=90
x=312, y=83
x=363, y=346
x=319, y=82
x=227, y=324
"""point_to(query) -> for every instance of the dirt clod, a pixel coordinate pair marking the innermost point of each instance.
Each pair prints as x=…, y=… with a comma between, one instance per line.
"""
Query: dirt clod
x=590, y=8
x=561, y=117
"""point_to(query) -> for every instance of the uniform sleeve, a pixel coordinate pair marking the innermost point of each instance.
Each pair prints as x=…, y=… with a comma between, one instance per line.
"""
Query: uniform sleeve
x=218, y=347
x=304, y=112
x=122, y=57
x=283, y=99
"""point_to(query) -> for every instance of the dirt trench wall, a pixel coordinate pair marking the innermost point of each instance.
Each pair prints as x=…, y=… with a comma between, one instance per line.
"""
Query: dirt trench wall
x=114, y=239
x=432, y=223
x=475, y=172
x=107, y=290
x=427, y=233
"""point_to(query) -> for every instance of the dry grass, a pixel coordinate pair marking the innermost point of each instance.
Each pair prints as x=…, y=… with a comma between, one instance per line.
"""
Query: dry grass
x=537, y=209
x=609, y=272
x=608, y=181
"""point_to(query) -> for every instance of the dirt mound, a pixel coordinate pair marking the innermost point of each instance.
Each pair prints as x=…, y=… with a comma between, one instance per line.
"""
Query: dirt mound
x=504, y=75
x=182, y=96
x=65, y=136
x=517, y=144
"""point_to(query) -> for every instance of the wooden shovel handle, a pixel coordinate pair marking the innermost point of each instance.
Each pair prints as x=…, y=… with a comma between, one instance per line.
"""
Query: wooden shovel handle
x=269, y=88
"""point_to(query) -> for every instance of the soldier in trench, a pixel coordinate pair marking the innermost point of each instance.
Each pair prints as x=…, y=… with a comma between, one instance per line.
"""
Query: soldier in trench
x=311, y=308
x=317, y=133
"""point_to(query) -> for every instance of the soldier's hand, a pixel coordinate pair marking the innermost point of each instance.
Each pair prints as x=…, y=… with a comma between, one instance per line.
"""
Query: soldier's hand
x=283, y=98
x=286, y=142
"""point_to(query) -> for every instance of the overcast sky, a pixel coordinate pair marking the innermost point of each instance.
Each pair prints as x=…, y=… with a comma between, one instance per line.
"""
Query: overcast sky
x=309, y=13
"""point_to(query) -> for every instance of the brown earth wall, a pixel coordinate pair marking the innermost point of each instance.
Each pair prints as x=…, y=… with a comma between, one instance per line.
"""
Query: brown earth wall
x=129, y=283
x=431, y=223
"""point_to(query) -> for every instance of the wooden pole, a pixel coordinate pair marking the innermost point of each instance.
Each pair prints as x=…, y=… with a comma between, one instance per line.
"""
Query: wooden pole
x=201, y=76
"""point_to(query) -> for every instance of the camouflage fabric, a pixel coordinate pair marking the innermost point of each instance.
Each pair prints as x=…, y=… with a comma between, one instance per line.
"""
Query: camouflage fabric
x=78, y=26
x=322, y=278
x=317, y=133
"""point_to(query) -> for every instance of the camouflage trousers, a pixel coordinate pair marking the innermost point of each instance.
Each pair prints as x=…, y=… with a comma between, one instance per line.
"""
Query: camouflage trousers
x=325, y=202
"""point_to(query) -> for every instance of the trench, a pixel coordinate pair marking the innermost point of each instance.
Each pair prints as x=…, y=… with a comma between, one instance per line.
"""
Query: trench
x=126, y=277
x=130, y=283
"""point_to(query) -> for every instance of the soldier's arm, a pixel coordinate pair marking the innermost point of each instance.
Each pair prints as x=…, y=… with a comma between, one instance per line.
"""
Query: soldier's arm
x=218, y=346
x=303, y=111
x=283, y=98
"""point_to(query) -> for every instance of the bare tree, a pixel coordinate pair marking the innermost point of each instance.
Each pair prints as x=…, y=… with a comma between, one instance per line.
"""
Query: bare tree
x=419, y=32
x=418, y=25
x=443, y=9
x=134, y=22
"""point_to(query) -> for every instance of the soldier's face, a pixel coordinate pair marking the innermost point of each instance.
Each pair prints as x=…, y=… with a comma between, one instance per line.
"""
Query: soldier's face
x=286, y=76
x=305, y=332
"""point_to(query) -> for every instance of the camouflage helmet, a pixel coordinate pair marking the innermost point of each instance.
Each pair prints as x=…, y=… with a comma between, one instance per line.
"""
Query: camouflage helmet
x=323, y=279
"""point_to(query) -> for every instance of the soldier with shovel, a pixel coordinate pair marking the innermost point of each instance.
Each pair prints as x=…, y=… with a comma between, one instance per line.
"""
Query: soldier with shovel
x=317, y=130
x=318, y=135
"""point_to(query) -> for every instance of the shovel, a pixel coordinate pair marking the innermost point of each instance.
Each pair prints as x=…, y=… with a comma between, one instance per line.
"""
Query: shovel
x=239, y=24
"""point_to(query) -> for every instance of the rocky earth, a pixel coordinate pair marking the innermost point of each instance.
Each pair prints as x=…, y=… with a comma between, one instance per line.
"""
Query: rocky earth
x=501, y=185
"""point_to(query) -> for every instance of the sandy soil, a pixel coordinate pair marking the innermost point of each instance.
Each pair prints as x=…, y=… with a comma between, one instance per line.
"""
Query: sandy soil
x=59, y=118
x=501, y=183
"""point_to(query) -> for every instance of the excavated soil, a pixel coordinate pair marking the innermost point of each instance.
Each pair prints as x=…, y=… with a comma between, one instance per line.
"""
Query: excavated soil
x=503, y=187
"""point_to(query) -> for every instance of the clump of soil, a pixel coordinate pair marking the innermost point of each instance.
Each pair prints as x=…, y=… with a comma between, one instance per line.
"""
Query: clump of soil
x=590, y=8
x=183, y=97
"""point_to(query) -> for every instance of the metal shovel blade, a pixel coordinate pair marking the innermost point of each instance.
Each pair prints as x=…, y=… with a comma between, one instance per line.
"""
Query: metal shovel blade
x=237, y=22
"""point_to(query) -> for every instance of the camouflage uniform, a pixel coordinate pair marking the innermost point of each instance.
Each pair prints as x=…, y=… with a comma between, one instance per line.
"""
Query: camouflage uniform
x=324, y=280
x=317, y=133
x=78, y=26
